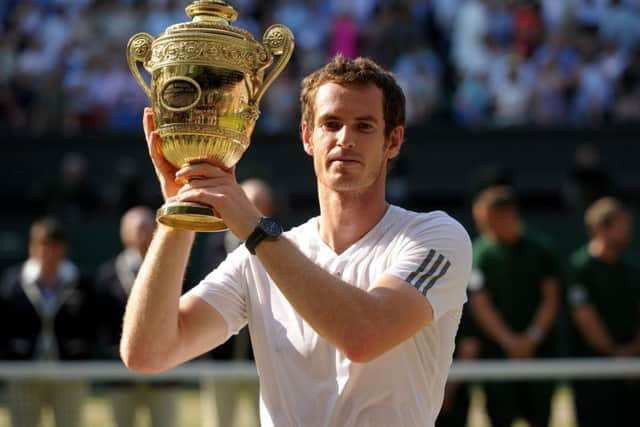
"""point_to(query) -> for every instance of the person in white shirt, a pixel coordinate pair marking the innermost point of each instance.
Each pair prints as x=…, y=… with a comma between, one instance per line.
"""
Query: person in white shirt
x=353, y=314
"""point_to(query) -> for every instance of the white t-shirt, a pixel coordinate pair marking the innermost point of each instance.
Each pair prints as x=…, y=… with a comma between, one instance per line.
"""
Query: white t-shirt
x=304, y=380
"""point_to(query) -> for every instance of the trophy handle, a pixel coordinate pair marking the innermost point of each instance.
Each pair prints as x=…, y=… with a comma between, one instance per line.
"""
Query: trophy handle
x=278, y=40
x=139, y=50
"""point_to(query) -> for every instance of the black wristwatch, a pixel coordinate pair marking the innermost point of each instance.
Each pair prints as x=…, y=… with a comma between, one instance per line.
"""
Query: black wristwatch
x=267, y=228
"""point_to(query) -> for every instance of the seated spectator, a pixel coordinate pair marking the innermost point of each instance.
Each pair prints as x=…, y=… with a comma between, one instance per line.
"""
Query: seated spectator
x=604, y=299
x=47, y=312
x=512, y=94
x=113, y=283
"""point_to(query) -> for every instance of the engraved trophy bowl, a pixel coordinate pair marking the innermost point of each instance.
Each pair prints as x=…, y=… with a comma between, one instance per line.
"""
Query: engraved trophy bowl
x=207, y=79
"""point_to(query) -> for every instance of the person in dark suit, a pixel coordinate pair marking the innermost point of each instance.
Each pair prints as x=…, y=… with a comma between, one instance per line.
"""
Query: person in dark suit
x=113, y=282
x=47, y=312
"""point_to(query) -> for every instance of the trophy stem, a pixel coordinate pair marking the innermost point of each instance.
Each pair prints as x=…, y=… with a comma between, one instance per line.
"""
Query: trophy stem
x=190, y=216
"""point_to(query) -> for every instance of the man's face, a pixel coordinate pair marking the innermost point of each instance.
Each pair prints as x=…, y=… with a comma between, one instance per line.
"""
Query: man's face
x=500, y=221
x=49, y=252
x=620, y=231
x=347, y=142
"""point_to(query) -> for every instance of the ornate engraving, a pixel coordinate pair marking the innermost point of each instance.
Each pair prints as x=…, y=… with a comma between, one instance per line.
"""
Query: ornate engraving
x=250, y=113
x=141, y=47
x=275, y=39
x=242, y=56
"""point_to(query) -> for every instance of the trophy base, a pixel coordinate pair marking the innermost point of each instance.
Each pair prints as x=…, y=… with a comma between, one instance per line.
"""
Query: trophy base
x=190, y=216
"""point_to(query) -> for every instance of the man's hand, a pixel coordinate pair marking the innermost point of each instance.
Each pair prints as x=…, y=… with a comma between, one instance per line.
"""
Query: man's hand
x=218, y=188
x=519, y=346
x=165, y=171
x=631, y=349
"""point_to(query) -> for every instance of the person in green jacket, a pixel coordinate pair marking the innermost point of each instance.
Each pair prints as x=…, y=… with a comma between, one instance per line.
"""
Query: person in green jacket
x=604, y=298
x=514, y=293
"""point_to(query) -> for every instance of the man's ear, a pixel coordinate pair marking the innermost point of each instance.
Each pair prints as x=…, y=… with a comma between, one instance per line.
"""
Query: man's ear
x=396, y=138
x=306, y=139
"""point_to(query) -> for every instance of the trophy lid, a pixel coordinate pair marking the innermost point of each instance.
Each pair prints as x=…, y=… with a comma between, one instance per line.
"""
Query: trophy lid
x=210, y=16
x=211, y=11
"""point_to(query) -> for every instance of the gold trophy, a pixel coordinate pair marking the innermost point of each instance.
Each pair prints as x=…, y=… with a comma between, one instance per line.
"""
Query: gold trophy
x=207, y=79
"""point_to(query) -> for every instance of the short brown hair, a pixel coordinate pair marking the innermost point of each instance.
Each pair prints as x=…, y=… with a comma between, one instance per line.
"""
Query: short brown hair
x=47, y=230
x=602, y=212
x=498, y=196
x=359, y=72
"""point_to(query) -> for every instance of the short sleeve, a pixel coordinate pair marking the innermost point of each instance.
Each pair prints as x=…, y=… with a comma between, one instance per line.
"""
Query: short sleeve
x=578, y=295
x=578, y=285
x=436, y=260
x=225, y=289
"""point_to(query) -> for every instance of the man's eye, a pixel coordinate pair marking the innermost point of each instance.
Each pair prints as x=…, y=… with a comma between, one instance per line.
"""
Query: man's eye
x=331, y=125
x=365, y=126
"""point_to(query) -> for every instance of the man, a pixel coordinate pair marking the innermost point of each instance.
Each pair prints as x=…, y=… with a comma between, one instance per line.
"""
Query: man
x=113, y=283
x=604, y=297
x=220, y=398
x=353, y=314
x=47, y=312
x=515, y=296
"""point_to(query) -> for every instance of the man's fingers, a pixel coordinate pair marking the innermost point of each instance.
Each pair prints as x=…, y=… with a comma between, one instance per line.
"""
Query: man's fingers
x=159, y=161
x=195, y=183
x=147, y=123
x=201, y=170
x=198, y=195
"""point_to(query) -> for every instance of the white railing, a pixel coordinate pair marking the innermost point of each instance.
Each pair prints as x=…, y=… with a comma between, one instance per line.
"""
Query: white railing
x=485, y=370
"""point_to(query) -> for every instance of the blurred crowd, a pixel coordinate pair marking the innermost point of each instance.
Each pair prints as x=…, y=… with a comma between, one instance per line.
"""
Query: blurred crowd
x=468, y=62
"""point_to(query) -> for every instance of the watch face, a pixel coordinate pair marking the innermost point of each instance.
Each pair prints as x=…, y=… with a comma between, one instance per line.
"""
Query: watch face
x=271, y=227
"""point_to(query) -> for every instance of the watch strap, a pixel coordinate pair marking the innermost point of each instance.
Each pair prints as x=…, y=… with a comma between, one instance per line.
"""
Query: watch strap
x=257, y=236
x=267, y=228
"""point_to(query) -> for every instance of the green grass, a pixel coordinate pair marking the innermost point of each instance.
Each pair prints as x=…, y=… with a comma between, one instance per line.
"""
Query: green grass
x=97, y=412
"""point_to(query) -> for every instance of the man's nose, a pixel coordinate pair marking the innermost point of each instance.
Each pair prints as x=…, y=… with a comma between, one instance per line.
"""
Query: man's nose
x=345, y=137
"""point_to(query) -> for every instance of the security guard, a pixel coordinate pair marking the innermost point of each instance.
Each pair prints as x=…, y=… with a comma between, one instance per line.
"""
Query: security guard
x=515, y=296
x=604, y=296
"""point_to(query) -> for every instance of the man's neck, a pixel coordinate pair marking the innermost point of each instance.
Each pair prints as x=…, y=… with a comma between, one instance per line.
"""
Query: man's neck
x=346, y=217
x=606, y=253
x=509, y=238
x=49, y=276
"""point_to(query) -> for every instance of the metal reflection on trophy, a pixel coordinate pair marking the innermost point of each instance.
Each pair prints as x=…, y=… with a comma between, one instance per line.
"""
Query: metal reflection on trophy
x=207, y=79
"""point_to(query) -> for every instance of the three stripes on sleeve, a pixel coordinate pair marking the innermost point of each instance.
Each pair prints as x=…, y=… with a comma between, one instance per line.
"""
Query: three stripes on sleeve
x=433, y=267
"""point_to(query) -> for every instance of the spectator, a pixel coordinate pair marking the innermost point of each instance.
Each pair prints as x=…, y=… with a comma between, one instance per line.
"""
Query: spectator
x=419, y=73
x=344, y=36
x=620, y=24
x=605, y=306
x=594, y=91
x=47, y=312
x=470, y=29
x=549, y=100
x=555, y=13
x=472, y=101
x=280, y=104
x=220, y=400
x=512, y=93
x=527, y=27
x=515, y=296
x=627, y=107
x=113, y=283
